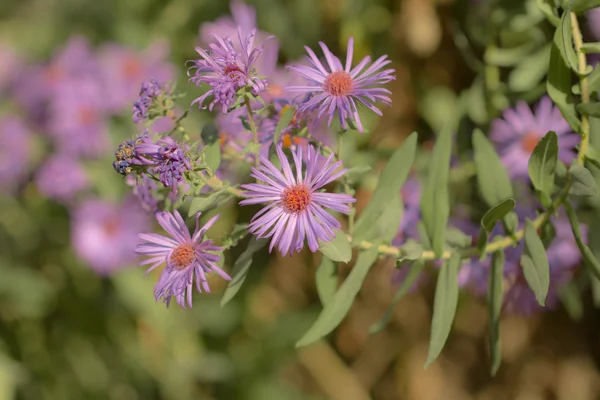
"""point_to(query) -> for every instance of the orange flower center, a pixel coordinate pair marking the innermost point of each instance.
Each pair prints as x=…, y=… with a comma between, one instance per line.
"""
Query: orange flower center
x=529, y=141
x=111, y=226
x=131, y=68
x=230, y=69
x=339, y=83
x=296, y=198
x=87, y=115
x=183, y=256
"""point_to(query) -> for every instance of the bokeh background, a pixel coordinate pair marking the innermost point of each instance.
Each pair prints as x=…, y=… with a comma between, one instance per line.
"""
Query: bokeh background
x=78, y=320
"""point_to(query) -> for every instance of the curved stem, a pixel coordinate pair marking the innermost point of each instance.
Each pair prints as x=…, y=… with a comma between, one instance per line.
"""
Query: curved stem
x=583, y=83
x=251, y=121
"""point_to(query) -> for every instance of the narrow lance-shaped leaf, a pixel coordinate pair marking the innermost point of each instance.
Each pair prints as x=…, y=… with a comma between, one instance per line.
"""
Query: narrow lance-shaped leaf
x=493, y=181
x=334, y=312
x=212, y=156
x=326, y=279
x=338, y=249
x=590, y=260
x=535, y=263
x=570, y=297
x=542, y=164
x=564, y=39
x=494, y=302
x=591, y=109
x=385, y=228
x=582, y=182
x=414, y=270
x=490, y=218
x=435, y=202
x=390, y=182
x=558, y=84
x=444, y=307
x=241, y=268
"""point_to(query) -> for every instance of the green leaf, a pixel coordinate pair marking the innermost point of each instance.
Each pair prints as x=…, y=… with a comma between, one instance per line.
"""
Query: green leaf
x=201, y=204
x=590, y=48
x=593, y=156
x=570, y=296
x=457, y=239
x=444, y=307
x=593, y=82
x=386, y=226
x=582, y=182
x=489, y=219
x=390, y=182
x=563, y=38
x=510, y=56
x=542, y=164
x=334, y=312
x=284, y=121
x=411, y=276
x=338, y=249
x=535, y=264
x=580, y=6
x=592, y=109
x=355, y=172
x=590, y=261
x=494, y=303
x=210, y=134
x=212, y=155
x=435, y=201
x=558, y=85
x=530, y=71
x=326, y=279
x=241, y=267
x=410, y=251
x=493, y=181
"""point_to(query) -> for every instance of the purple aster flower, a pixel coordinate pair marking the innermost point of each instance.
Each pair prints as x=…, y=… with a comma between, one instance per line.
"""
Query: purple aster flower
x=124, y=69
x=61, y=178
x=188, y=258
x=244, y=18
x=520, y=130
x=172, y=162
x=295, y=208
x=9, y=67
x=140, y=151
x=226, y=70
x=150, y=90
x=15, y=153
x=340, y=88
x=104, y=235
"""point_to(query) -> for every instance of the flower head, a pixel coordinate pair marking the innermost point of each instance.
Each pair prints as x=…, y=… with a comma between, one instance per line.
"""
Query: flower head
x=138, y=151
x=104, y=234
x=148, y=94
x=226, y=70
x=295, y=209
x=520, y=130
x=340, y=88
x=188, y=258
x=15, y=153
x=61, y=178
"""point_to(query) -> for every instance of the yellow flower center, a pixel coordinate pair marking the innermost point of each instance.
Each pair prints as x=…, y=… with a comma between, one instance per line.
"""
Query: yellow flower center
x=296, y=198
x=339, y=83
x=183, y=256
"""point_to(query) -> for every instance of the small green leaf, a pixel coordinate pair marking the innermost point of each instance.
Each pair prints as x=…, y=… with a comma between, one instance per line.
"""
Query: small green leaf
x=410, y=251
x=334, y=312
x=444, y=307
x=284, y=121
x=564, y=40
x=241, y=268
x=590, y=261
x=593, y=156
x=542, y=164
x=530, y=71
x=593, y=82
x=205, y=203
x=489, y=219
x=326, y=279
x=494, y=302
x=591, y=109
x=338, y=249
x=390, y=182
x=592, y=48
x=435, y=201
x=535, y=264
x=580, y=6
x=583, y=183
x=411, y=276
x=212, y=155
x=493, y=181
x=457, y=239
x=558, y=85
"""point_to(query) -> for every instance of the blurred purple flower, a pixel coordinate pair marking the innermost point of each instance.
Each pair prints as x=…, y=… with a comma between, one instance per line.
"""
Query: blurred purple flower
x=295, y=209
x=593, y=18
x=340, y=88
x=148, y=93
x=104, y=235
x=520, y=129
x=61, y=178
x=188, y=258
x=144, y=189
x=15, y=153
x=9, y=67
x=226, y=70
x=244, y=18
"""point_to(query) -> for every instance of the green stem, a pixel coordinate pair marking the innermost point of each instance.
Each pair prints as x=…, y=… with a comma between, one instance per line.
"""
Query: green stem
x=251, y=121
x=583, y=83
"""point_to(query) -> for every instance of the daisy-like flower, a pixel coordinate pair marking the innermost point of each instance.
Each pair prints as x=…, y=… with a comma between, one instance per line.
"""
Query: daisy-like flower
x=226, y=70
x=188, y=258
x=295, y=209
x=520, y=130
x=340, y=88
